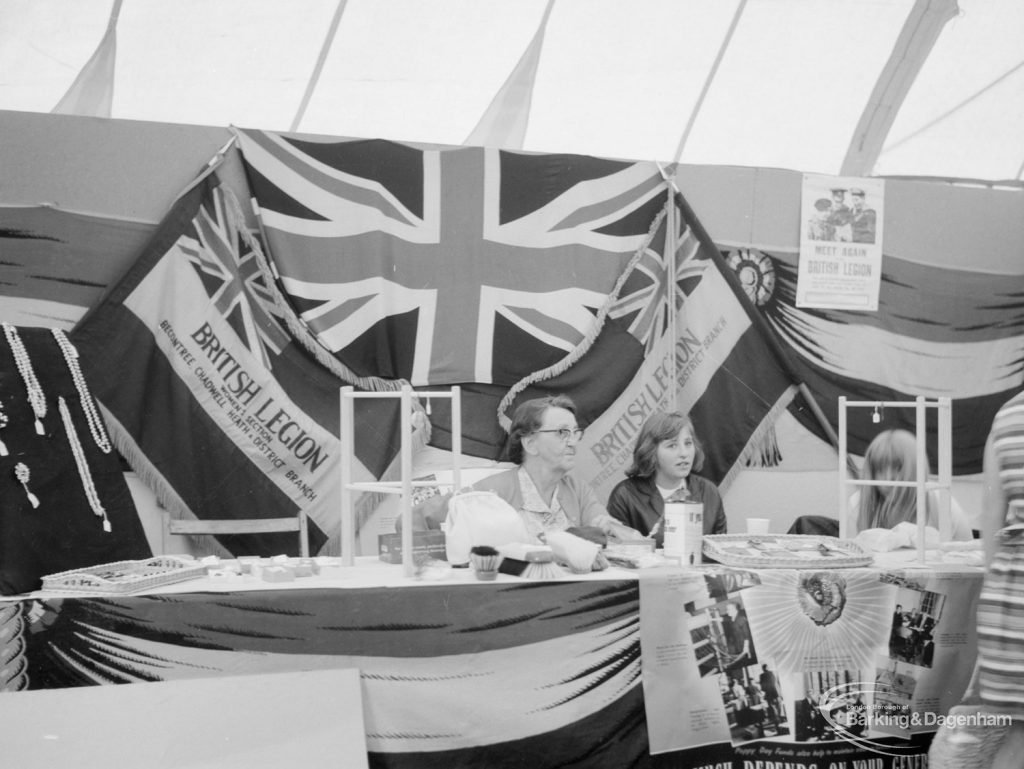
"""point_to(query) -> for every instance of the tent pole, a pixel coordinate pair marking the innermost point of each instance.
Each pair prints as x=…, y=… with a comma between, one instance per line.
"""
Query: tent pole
x=92, y=92
x=506, y=118
x=921, y=30
x=319, y=67
x=709, y=79
x=671, y=244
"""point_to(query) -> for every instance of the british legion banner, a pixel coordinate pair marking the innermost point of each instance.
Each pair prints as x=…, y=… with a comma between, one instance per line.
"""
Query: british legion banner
x=208, y=396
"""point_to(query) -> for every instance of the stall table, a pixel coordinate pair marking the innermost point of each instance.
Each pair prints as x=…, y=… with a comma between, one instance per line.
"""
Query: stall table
x=457, y=672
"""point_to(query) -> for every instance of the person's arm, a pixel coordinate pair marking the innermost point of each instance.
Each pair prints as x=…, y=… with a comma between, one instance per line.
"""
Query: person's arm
x=993, y=502
x=614, y=528
x=954, y=529
x=618, y=505
x=745, y=632
x=630, y=507
x=717, y=511
x=961, y=527
x=593, y=513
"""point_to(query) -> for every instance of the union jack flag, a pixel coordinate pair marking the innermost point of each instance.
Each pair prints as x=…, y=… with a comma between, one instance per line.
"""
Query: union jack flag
x=643, y=301
x=447, y=265
x=225, y=260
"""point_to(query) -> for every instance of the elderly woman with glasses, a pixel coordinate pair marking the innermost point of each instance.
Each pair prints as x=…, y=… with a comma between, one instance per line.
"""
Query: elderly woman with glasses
x=542, y=443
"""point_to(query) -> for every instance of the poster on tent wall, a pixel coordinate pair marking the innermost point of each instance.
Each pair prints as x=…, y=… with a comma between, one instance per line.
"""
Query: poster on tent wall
x=840, y=242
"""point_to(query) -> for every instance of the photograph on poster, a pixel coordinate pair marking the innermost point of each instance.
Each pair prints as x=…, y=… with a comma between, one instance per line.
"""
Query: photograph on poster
x=720, y=584
x=753, y=703
x=721, y=637
x=915, y=621
x=845, y=216
x=895, y=683
x=820, y=714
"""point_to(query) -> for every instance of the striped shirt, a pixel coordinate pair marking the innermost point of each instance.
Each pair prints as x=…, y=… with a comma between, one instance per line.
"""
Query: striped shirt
x=1001, y=606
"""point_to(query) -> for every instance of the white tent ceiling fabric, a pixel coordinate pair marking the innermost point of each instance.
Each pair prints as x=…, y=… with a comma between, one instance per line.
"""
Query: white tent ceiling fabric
x=765, y=83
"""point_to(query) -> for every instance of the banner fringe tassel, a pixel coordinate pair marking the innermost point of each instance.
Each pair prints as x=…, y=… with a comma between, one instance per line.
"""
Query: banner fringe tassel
x=166, y=497
x=762, y=445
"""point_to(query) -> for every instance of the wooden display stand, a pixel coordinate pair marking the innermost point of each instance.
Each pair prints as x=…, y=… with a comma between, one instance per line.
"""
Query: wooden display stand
x=403, y=486
x=922, y=483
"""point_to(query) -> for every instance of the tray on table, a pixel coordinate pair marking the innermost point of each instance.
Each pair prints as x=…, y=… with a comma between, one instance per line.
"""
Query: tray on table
x=125, y=576
x=785, y=551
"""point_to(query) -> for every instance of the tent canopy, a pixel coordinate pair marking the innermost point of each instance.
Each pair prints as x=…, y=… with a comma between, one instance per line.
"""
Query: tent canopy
x=913, y=88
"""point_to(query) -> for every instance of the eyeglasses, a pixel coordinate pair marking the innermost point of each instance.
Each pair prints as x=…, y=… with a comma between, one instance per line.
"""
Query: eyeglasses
x=565, y=433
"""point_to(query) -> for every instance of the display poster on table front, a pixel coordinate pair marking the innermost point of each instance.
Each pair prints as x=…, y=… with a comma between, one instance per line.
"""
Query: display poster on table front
x=814, y=667
x=840, y=242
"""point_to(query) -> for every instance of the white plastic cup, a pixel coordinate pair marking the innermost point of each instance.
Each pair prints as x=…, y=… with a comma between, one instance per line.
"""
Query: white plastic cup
x=758, y=525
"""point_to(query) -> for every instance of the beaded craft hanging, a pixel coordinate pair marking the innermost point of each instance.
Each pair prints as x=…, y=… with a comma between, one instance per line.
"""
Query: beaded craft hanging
x=36, y=398
x=92, y=415
x=83, y=466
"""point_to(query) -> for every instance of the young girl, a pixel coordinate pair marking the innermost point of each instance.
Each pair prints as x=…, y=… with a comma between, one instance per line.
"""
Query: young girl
x=892, y=456
x=666, y=454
